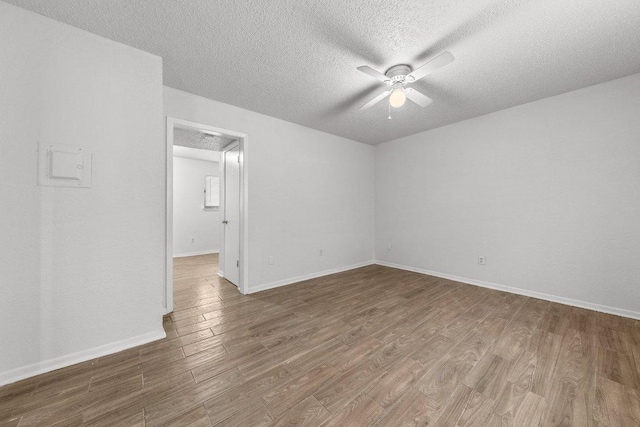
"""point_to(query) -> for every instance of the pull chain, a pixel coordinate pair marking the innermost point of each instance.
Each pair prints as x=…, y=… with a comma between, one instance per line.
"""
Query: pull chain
x=389, y=105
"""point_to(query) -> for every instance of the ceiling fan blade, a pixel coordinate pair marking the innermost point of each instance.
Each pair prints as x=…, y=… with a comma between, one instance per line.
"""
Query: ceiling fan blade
x=437, y=62
x=373, y=73
x=375, y=100
x=418, y=98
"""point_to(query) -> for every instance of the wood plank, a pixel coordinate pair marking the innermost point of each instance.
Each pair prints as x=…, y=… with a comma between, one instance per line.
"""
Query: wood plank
x=433, y=350
x=556, y=319
x=531, y=411
x=214, y=356
x=281, y=399
x=310, y=358
x=618, y=367
x=546, y=346
x=634, y=337
x=240, y=397
x=130, y=416
x=448, y=373
x=137, y=401
x=616, y=404
x=358, y=352
x=508, y=403
x=456, y=405
x=343, y=388
x=179, y=404
x=572, y=392
x=521, y=370
x=514, y=341
x=413, y=409
x=488, y=376
x=361, y=411
x=196, y=417
x=582, y=320
x=394, y=383
x=309, y=412
x=478, y=412
x=263, y=362
x=255, y=416
x=223, y=362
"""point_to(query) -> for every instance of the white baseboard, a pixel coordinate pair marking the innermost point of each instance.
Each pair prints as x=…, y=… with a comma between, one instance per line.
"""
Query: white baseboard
x=23, y=372
x=220, y=273
x=292, y=280
x=547, y=297
x=216, y=251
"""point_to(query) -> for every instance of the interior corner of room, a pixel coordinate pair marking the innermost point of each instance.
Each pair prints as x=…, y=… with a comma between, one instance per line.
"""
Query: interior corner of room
x=520, y=173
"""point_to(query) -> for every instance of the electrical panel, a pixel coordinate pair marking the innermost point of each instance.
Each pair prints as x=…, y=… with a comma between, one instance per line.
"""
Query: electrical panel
x=64, y=166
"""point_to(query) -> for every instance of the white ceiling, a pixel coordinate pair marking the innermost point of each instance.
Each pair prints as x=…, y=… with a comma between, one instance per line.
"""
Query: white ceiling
x=296, y=60
x=196, y=153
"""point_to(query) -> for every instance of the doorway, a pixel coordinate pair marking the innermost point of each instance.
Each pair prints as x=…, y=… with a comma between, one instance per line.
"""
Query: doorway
x=230, y=212
x=232, y=148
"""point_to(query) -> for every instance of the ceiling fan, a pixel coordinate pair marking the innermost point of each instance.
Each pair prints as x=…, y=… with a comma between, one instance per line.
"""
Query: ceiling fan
x=399, y=76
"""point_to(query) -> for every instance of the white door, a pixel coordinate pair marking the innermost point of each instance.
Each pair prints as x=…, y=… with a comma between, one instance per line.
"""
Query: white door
x=231, y=220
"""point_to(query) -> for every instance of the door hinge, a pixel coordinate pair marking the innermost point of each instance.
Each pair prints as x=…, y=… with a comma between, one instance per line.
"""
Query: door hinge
x=238, y=159
x=238, y=263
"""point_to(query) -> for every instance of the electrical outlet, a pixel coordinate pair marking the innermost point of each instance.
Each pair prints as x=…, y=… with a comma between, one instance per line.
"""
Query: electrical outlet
x=320, y=252
x=388, y=246
x=270, y=260
x=481, y=260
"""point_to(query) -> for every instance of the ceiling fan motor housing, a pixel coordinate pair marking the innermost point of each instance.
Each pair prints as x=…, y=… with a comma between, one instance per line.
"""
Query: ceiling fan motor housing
x=398, y=74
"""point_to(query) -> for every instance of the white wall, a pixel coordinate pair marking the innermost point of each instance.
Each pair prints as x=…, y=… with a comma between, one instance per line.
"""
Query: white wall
x=81, y=270
x=189, y=219
x=548, y=192
x=308, y=190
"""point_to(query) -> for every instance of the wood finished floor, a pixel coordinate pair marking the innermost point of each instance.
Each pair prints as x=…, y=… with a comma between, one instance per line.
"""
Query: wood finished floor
x=372, y=346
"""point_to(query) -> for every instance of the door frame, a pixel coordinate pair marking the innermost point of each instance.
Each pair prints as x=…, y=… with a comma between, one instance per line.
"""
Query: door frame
x=243, y=142
x=223, y=202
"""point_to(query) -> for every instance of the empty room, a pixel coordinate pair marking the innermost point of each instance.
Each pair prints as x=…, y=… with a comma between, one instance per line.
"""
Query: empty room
x=320, y=213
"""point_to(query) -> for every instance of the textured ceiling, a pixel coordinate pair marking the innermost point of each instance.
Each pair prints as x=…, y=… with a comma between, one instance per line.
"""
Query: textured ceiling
x=296, y=60
x=193, y=138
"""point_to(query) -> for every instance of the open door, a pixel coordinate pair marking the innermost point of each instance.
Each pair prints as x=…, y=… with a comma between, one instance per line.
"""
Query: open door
x=234, y=189
x=231, y=214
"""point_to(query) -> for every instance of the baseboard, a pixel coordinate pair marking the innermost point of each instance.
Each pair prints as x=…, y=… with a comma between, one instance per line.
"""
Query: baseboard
x=292, y=280
x=220, y=273
x=196, y=253
x=548, y=297
x=23, y=372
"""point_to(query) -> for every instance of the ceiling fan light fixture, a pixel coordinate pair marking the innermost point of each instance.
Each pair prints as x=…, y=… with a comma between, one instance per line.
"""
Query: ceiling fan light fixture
x=400, y=75
x=397, y=97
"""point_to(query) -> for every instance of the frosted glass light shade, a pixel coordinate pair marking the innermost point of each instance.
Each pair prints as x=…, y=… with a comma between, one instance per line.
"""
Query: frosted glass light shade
x=397, y=97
